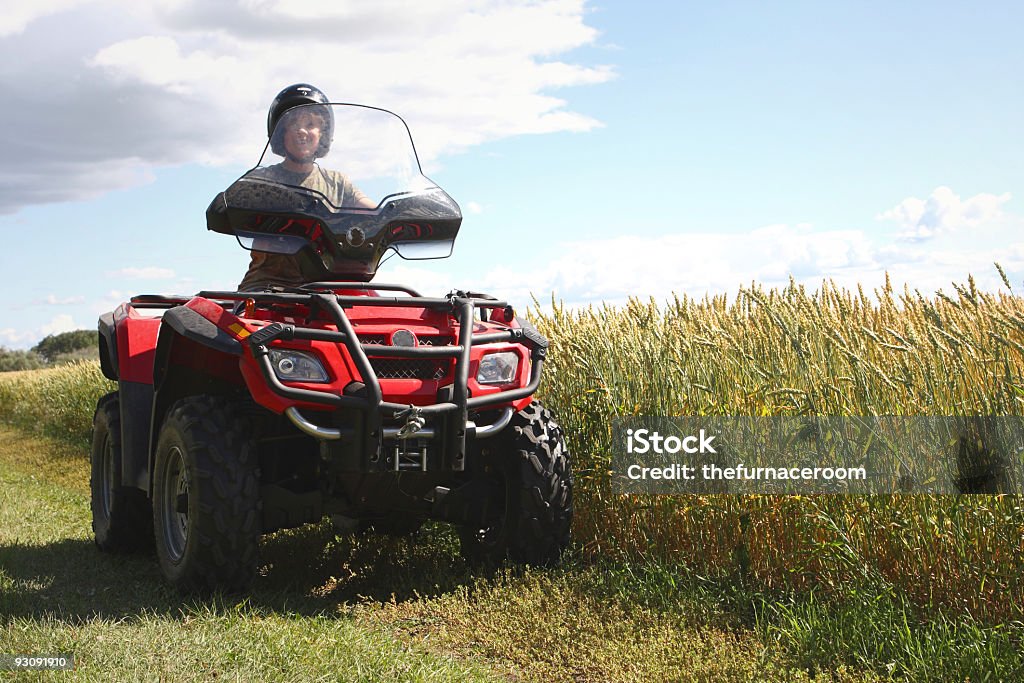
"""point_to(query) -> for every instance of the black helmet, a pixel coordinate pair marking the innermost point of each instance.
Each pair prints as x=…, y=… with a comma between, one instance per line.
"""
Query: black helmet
x=295, y=96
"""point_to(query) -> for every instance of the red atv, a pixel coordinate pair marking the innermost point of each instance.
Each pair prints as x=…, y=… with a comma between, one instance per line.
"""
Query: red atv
x=241, y=413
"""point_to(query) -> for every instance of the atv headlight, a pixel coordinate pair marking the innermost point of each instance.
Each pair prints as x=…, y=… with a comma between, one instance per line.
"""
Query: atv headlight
x=498, y=368
x=297, y=366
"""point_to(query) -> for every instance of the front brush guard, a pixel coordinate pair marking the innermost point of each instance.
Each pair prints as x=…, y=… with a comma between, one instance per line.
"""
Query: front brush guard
x=453, y=415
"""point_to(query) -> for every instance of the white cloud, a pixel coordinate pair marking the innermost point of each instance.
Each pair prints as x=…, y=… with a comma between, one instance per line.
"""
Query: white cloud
x=60, y=323
x=696, y=264
x=145, y=273
x=54, y=300
x=158, y=60
x=473, y=207
x=142, y=85
x=18, y=14
x=943, y=212
x=17, y=339
x=24, y=339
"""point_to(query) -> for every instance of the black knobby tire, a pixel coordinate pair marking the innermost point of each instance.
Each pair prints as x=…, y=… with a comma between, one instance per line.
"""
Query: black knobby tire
x=121, y=516
x=207, y=515
x=530, y=466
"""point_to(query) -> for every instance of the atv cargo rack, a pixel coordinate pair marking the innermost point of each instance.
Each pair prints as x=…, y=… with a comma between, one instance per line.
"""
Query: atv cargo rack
x=367, y=396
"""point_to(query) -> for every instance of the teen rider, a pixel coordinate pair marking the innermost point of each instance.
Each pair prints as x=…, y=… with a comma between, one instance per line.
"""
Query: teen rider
x=301, y=134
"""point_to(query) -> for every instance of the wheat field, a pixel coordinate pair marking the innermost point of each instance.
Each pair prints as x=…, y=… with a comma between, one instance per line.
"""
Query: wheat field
x=794, y=352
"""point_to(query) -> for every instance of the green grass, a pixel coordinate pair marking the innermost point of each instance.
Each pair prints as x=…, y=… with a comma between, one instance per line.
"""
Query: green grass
x=56, y=401
x=346, y=608
x=235, y=642
x=368, y=608
x=882, y=632
x=58, y=593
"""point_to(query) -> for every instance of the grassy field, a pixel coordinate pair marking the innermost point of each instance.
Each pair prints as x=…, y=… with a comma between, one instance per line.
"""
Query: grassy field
x=328, y=608
x=670, y=588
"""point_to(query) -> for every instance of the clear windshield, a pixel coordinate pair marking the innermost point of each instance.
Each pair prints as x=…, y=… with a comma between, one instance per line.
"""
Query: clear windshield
x=355, y=157
x=337, y=186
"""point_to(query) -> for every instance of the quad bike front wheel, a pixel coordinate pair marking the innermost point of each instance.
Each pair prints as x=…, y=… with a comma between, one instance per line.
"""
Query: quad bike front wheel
x=121, y=515
x=530, y=471
x=206, y=502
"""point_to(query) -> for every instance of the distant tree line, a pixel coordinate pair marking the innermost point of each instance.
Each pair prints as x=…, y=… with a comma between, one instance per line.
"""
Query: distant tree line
x=54, y=349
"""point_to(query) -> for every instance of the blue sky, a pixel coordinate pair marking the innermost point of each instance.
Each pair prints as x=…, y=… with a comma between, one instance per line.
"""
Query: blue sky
x=599, y=150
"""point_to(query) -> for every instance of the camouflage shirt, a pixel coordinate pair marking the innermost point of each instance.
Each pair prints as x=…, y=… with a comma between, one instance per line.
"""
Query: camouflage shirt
x=283, y=269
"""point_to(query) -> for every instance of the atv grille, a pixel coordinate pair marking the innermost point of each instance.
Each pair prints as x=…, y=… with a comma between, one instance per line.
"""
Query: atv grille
x=408, y=368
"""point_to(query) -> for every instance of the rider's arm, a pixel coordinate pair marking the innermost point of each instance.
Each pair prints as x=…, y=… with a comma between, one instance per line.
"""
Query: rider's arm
x=360, y=198
x=351, y=195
